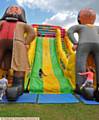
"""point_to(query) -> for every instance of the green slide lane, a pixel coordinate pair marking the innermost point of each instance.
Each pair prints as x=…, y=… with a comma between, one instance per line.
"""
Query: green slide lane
x=65, y=86
x=36, y=84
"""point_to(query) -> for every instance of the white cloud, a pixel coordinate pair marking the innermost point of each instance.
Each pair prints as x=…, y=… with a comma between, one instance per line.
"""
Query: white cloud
x=55, y=5
x=97, y=20
x=62, y=18
x=41, y=4
x=65, y=11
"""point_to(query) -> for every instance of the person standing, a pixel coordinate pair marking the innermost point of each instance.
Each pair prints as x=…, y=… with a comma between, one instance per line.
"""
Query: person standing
x=3, y=87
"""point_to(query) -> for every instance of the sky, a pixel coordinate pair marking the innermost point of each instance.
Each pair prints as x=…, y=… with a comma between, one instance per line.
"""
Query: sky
x=54, y=12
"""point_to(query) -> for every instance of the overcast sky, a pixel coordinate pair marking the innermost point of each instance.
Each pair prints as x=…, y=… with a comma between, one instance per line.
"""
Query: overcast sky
x=56, y=12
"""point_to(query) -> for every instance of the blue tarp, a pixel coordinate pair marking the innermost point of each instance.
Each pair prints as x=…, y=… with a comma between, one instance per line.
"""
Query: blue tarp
x=25, y=98
x=88, y=102
x=57, y=98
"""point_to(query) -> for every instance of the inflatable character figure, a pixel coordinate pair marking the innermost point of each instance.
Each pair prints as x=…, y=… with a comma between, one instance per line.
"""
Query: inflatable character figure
x=88, y=43
x=12, y=40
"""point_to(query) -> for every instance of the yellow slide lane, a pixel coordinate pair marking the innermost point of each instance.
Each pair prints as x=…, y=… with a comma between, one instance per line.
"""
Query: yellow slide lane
x=51, y=84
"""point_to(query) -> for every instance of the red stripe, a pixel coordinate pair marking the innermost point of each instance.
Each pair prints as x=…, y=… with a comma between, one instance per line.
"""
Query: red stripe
x=7, y=31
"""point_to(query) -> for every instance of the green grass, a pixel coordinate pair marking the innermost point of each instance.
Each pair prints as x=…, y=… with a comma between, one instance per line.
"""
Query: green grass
x=51, y=111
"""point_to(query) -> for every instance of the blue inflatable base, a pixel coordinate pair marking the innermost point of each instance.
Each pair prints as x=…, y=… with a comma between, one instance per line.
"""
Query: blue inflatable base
x=25, y=98
x=57, y=98
x=44, y=98
x=88, y=102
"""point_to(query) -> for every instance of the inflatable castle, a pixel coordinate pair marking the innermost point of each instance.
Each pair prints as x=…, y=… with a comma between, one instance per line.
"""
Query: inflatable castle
x=41, y=59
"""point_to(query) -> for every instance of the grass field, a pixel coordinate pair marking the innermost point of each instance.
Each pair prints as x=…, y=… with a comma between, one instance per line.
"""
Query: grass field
x=51, y=111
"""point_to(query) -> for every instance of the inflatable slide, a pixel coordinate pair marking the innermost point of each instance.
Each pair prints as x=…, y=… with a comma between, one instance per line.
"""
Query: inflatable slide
x=46, y=53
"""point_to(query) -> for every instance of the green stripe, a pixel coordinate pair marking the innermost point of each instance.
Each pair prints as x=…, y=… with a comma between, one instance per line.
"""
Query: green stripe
x=65, y=86
x=36, y=83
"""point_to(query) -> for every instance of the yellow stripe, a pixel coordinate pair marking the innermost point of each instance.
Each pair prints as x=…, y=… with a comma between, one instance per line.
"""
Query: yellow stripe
x=51, y=84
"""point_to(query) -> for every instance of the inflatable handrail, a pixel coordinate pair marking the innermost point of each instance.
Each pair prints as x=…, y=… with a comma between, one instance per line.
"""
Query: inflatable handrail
x=60, y=51
x=63, y=59
x=31, y=56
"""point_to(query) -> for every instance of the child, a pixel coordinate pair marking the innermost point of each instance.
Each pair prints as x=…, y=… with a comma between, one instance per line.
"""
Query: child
x=41, y=73
x=90, y=74
x=3, y=87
